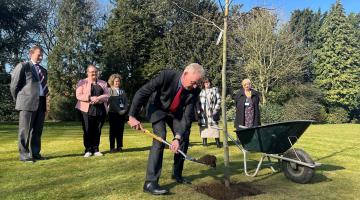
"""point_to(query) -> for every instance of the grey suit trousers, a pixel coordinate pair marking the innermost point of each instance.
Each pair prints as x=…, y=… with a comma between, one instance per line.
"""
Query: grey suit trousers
x=30, y=130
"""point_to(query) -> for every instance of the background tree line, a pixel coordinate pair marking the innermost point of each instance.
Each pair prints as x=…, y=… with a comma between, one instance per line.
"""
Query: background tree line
x=305, y=68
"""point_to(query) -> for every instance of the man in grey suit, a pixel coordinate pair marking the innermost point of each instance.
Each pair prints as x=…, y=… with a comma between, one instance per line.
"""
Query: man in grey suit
x=29, y=89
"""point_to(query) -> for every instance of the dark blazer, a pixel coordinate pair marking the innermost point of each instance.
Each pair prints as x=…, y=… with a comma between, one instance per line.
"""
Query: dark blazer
x=114, y=102
x=240, y=99
x=24, y=86
x=159, y=93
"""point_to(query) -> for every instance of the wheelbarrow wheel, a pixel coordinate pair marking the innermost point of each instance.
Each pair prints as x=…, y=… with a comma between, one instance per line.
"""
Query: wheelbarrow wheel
x=296, y=172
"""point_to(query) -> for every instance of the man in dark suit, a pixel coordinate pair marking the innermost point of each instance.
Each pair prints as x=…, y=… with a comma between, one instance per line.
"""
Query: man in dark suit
x=171, y=97
x=29, y=89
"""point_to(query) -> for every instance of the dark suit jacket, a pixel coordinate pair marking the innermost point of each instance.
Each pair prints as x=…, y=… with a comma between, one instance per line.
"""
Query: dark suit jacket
x=240, y=99
x=114, y=99
x=25, y=86
x=159, y=93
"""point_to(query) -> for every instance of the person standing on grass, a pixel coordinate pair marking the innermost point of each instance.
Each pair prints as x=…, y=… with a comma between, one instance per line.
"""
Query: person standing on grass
x=118, y=107
x=171, y=97
x=92, y=95
x=209, y=112
x=29, y=90
x=247, y=106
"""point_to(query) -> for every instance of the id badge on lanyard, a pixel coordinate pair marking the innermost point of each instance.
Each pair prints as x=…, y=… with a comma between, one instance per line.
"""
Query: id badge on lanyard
x=247, y=103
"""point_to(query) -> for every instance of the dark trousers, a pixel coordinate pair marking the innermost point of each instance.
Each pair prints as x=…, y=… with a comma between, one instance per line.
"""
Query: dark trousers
x=157, y=150
x=31, y=125
x=92, y=131
x=116, y=123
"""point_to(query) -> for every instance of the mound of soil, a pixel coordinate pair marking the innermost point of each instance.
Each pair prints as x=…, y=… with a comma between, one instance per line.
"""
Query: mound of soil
x=208, y=160
x=219, y=191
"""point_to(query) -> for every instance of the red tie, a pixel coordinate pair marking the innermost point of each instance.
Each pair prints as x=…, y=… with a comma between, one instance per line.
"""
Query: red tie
x=176, y=101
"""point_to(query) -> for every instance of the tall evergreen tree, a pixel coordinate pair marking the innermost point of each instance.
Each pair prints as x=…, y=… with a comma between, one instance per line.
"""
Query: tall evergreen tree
x=73, y=51
x=305, y=24
x=127, y=39
x=188, y=38
x=143, y=37
x=338, y=60
x=19, y=21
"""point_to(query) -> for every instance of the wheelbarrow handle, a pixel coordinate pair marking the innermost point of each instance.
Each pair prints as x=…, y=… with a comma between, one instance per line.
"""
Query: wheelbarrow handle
x=156, y=137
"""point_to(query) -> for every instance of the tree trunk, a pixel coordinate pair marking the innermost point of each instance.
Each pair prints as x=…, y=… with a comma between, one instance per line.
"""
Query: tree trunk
x=223, y=99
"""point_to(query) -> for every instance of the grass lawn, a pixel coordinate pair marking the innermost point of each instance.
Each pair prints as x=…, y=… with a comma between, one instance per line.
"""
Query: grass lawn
x=67, y=175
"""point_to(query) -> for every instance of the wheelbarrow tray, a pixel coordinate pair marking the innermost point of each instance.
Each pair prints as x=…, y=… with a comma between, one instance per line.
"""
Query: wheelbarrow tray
x=274, y=138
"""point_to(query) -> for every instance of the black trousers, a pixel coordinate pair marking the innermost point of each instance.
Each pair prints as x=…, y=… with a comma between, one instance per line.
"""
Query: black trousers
x=31, y=125
x=116, y=132
x=157, y=150
x=92, y=131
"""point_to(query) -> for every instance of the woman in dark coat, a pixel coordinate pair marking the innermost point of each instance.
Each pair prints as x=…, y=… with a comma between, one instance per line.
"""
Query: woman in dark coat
x=118, y=107
x=247, y=106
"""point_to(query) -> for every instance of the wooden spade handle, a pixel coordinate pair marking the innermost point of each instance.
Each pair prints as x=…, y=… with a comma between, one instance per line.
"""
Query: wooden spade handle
x=147, y=132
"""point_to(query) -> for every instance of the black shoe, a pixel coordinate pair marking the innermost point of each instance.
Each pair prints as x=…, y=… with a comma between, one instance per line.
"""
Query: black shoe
x=39, y=158
x=119, y=149
x=154, y=188
x=180, y=179
x=113, y=150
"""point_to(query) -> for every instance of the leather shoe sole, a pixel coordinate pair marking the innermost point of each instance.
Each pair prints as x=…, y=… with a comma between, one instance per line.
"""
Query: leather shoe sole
x=154, y=188
x=156, y=192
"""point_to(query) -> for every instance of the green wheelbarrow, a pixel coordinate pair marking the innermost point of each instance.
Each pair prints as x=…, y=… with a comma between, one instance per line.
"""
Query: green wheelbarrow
x=275, y=141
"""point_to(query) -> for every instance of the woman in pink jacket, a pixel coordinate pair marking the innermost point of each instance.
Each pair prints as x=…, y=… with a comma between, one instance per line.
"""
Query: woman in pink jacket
x=92, y=95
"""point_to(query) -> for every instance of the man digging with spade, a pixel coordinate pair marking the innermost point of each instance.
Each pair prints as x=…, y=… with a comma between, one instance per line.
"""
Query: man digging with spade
x=171, y=97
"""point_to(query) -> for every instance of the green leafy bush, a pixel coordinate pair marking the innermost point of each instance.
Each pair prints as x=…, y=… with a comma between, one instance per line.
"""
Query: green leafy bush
x=62, y=108
x=271, y=113
x=337, y=116
x=7, y=104
x=301, y=108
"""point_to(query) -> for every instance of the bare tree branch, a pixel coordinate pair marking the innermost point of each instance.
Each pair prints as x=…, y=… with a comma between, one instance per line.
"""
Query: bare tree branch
x=209, y=21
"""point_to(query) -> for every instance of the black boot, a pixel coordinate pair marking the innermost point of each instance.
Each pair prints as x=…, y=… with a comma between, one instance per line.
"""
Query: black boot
x=218, y=144
x=204, y=142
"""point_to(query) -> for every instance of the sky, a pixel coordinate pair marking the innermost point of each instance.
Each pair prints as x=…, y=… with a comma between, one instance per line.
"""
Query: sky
x=285, y=7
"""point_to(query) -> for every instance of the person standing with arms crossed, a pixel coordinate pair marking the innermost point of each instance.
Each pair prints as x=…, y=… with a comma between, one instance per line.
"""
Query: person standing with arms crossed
x=29, y=90
x=172, y=96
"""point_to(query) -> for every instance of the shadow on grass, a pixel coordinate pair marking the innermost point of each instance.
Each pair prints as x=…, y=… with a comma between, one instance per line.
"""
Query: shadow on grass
x=65, y=156
x=337, y=152
x=319, y=178
x=328, y=167
x=137, y=149
x=216, y=173
x=237, y=168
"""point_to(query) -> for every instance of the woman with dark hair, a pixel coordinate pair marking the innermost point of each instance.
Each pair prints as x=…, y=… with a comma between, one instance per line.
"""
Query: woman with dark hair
x=92, y=95
x=118, y=107
x=247, y=106
x=209, y=112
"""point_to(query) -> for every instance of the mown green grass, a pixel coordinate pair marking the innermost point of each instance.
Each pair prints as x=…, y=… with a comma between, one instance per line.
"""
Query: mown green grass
x=67, y=175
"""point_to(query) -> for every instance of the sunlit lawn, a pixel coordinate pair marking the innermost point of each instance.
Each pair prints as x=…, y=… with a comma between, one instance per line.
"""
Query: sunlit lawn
x=67, y=175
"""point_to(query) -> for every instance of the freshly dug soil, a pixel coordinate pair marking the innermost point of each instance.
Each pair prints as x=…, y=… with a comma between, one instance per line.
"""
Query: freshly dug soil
x=219, y=191
x=208, y=160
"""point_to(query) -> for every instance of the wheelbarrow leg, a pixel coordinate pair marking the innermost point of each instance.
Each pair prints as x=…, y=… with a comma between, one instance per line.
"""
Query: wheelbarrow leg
x=271, y=166
x=245, y=164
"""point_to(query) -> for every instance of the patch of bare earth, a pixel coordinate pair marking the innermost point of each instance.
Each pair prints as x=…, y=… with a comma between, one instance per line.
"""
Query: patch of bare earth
x=219, y=191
